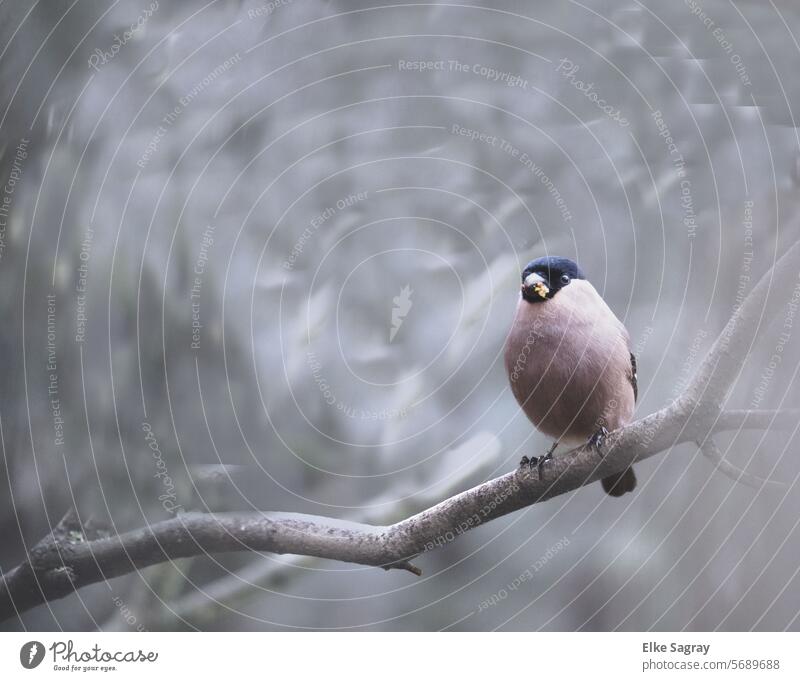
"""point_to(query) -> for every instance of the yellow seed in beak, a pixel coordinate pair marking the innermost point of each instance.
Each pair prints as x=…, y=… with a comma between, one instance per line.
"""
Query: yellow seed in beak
x=541, y=289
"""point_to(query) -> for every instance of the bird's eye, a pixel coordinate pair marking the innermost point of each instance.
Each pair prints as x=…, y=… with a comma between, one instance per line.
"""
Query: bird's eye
x=564, y=279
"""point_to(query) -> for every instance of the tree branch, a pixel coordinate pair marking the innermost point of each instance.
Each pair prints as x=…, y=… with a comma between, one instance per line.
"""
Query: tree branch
x=758, y=419
x=710, y=450
x=74, y=555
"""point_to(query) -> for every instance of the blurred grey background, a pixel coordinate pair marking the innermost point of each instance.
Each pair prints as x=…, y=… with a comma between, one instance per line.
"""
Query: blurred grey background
x=286, y=237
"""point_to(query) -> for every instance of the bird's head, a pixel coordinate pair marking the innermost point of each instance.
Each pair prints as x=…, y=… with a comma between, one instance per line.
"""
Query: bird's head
x=543, y=278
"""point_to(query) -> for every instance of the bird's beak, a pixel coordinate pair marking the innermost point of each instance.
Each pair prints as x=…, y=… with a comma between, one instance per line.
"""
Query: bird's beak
x=535, y=285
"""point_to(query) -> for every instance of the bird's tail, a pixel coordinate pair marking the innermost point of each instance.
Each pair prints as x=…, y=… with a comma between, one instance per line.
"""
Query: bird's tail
x=617, y=485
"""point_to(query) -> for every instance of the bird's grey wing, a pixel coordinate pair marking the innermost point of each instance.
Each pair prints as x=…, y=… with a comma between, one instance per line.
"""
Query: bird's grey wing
x=633, y=378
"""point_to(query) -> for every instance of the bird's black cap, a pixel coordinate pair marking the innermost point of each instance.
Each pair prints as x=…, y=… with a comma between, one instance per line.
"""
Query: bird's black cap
x=552, y=267
x=552, y=274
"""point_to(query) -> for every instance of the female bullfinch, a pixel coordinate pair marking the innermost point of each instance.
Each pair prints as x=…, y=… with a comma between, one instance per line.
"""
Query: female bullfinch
x=569, y=362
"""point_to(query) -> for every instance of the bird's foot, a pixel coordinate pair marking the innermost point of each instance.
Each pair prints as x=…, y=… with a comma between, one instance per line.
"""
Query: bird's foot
x=598, y=440
x=537, y=461
x=531, y=463
x=542, y=460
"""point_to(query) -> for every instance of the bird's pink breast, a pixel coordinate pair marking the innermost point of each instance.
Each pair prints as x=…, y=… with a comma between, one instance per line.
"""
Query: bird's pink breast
x=568, y=364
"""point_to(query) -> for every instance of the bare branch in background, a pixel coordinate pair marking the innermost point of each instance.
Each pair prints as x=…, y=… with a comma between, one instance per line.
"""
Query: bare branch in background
x=76, y=554
x=710, y=450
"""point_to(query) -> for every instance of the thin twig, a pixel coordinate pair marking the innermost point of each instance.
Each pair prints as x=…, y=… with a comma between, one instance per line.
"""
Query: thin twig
x=711, y=451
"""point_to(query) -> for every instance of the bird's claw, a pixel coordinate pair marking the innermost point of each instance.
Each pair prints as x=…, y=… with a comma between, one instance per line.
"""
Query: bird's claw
x=535, y=462
x=542, y=460
x=598, y=440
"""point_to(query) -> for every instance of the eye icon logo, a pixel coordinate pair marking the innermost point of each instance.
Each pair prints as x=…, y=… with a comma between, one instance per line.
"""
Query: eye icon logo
x=31, y=654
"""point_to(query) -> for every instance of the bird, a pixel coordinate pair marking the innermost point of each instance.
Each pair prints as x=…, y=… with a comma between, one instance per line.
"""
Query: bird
x=569, y=363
